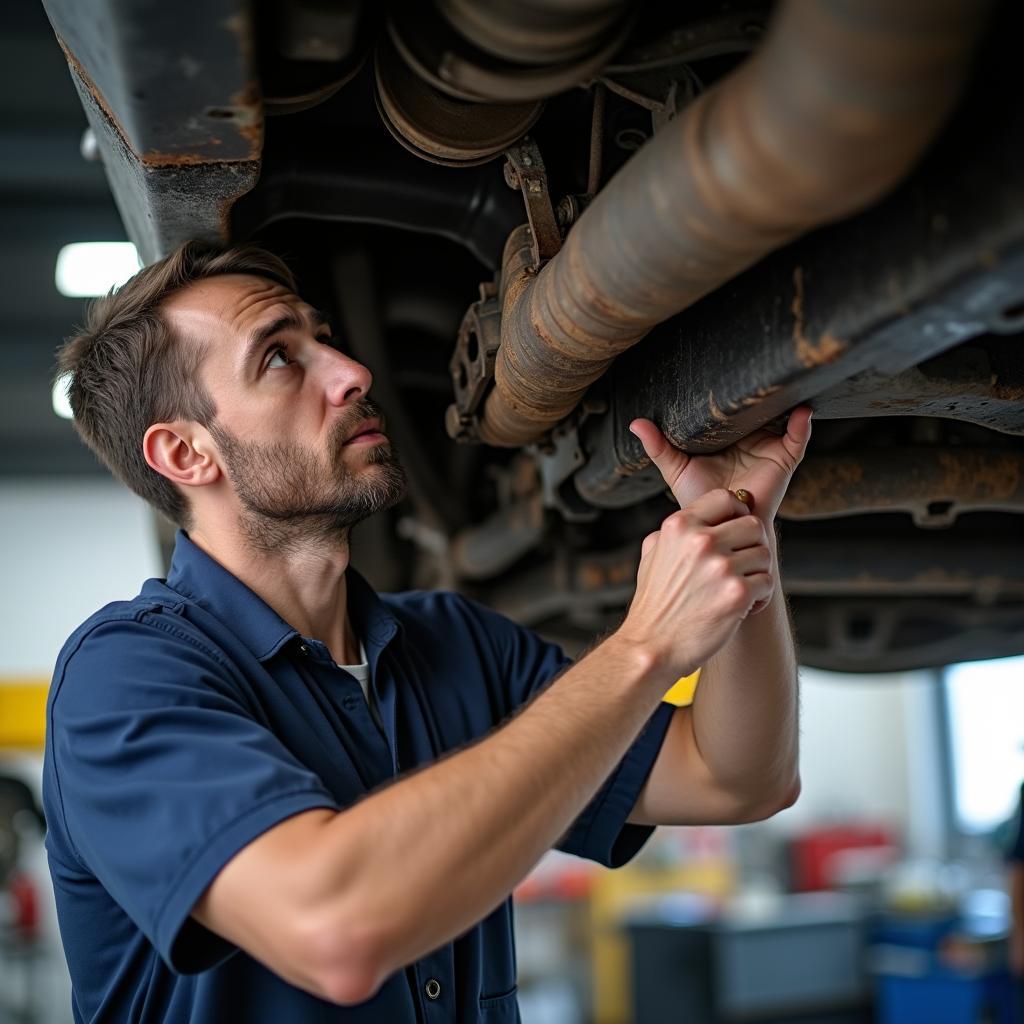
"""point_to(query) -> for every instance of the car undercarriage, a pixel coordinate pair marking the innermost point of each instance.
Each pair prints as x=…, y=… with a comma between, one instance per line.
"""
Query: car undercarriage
x=537, y=221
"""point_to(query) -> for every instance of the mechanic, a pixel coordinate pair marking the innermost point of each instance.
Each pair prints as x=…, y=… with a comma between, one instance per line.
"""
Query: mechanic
x=275, y=795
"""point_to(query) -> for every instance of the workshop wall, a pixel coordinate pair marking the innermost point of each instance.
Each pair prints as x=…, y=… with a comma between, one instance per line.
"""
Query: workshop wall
x=66, y=549
x=870, y=751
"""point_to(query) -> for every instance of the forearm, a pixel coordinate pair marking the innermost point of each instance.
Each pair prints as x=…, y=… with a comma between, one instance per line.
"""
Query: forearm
x=745, y=710
x=437, y=851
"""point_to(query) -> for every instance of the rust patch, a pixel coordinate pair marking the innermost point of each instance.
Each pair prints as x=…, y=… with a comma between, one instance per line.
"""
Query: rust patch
x=158, y=158
x=908, y=480
x=822, y=485
x=1006, y=392
x=248, y=104
x=716, y=413
x=828, y=347
x=980, y=476
x=796, y=307
x=98, y=98
x=760, y=395
x=245, y=102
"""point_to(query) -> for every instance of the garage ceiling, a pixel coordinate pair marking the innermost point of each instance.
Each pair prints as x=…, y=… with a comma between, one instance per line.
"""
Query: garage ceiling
x=49, y=196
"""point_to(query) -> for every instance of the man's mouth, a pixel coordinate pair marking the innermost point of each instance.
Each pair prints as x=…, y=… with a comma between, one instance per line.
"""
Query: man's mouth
x=368, y=432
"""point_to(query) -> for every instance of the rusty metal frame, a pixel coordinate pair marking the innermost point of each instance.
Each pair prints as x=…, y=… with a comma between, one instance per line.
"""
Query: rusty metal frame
x=170, y=91
x=934, y=484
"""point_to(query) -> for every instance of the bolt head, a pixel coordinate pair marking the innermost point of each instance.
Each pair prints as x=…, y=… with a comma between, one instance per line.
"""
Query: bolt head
x=567, y=211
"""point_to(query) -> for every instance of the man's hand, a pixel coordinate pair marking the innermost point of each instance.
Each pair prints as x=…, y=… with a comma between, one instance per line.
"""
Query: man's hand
x=733, y=754
x=762, y=463
x=699, y=576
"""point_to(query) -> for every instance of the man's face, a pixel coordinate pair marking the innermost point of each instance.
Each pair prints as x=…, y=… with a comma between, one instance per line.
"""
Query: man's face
x=300, y=442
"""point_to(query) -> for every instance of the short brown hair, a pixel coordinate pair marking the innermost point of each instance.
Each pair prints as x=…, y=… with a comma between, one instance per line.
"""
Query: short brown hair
x=128, y=369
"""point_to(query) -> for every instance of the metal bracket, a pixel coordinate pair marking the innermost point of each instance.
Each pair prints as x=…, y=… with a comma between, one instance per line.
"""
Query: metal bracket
x=525, y=171
x=472, y=363
x=476, y=350
x=559, y=455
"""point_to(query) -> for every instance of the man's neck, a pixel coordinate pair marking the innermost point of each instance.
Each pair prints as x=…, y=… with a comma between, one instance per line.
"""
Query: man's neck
x=304, y=583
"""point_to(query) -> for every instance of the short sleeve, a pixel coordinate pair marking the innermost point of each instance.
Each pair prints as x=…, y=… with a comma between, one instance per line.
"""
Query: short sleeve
x=163, y=775
x=601, y=832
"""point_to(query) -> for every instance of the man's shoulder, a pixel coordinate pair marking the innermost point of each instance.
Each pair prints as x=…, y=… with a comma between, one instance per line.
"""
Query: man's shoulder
x=149, y=650
x=155, y=609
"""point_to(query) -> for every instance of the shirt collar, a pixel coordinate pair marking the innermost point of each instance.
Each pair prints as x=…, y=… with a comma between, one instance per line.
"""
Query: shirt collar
x=197, y=576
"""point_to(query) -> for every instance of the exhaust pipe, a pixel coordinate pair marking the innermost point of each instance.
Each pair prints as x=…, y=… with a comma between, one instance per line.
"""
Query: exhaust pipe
x=833, y=110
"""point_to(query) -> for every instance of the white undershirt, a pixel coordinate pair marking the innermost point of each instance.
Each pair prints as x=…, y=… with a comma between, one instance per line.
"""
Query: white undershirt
x=362, y=675
x=360, y=671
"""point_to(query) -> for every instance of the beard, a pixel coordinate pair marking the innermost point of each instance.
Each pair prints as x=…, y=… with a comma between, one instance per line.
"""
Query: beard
x=292, y=495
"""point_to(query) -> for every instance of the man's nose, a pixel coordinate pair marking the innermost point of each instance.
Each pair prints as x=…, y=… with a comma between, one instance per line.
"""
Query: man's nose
x=346, y=380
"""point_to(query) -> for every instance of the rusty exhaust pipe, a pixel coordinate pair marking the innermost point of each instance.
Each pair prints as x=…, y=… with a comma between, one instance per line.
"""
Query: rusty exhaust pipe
x=831, y=112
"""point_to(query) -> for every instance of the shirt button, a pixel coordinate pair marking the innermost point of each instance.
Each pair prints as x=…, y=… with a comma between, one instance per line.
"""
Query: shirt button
x=350, y=703
x=304, y=649
x=433, y=988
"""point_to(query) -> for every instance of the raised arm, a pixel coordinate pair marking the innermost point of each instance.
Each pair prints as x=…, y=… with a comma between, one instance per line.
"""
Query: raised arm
x=733, y=755
x=348, y=898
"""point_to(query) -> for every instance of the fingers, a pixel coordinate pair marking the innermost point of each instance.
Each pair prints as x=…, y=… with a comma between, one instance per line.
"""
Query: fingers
x=670, y=461
x=739, y=534
x=760, y=587
x=752, y=561
x=742, y=541
x=717, y=506
x=744, y=532
x=698, y=579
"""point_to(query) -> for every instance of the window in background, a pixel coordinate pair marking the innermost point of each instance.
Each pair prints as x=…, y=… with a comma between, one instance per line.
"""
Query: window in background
x=985, y=702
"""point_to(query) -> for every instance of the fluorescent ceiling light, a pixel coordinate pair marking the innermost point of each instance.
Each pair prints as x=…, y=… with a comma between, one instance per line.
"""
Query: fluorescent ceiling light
x=92, y=268
x=61, y=402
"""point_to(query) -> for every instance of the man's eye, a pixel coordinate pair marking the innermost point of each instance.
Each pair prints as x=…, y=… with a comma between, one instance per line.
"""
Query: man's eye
x=277, y=359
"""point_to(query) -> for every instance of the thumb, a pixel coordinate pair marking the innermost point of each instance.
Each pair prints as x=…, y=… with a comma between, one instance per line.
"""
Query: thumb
x=670, y=461
x=798, y=432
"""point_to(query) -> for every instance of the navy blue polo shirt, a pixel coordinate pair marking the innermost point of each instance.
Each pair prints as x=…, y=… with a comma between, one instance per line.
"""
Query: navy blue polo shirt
x=186, y=722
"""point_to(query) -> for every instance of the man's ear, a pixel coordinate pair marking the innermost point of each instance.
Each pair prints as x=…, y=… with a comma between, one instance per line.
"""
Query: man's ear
x=183, y=452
